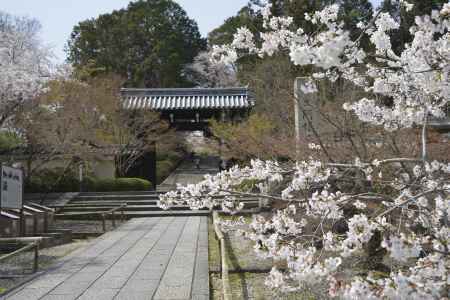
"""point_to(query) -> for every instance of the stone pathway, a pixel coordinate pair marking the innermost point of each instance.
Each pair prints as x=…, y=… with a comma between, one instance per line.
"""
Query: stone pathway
x=187, y=173
x=148, y=258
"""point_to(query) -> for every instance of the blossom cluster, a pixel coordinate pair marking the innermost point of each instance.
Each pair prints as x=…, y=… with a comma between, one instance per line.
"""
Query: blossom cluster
x=303, y=234
x=25, y=64
x=417, y=80
x=317, y=222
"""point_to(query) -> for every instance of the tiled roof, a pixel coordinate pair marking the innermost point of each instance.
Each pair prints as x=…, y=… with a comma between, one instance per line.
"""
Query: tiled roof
x=187, y=98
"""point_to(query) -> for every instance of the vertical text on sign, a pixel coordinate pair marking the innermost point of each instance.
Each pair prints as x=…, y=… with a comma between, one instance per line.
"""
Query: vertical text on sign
x=11, y=188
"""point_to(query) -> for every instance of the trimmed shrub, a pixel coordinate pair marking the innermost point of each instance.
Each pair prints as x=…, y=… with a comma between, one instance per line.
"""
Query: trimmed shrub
x=52, y=181
x=116, y=184
x=55, y=181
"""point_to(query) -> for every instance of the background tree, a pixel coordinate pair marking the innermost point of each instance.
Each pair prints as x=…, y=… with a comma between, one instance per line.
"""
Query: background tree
x=351, y=12
x=65, y=123
x=406, y=18
x=271, y=79
x=206, y=73
x=246, y=16
x=82, y=121
x=149, y=42
x=24, y=62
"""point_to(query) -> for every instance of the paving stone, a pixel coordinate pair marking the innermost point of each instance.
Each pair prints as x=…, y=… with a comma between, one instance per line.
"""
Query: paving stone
x=141, y=285
x=99, y=294
x=177, y=280
x=200, y=288
x=115, y=282
x=200, y=297
x=166, y=292
x=131, y=295
x=130, y=261
x=47, y=281
x=70, y=287
x=29, y=293
x=149, y=258
x=58, y=297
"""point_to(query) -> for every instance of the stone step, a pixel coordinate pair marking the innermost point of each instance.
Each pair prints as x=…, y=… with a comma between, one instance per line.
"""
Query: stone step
x=119, y=193
x=143, y=196
x=111, y=203
x=114, y=203
x=135, y=214
x=87, y=208
x=116, y=197
x=126, y=209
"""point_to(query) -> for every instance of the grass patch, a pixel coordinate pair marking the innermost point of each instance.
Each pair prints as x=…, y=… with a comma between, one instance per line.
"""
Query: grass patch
x=251, y=286
x=213, y=248
x=214, y=251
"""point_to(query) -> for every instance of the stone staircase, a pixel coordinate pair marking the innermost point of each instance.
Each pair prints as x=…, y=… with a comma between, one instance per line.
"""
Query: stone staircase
x=138, y=204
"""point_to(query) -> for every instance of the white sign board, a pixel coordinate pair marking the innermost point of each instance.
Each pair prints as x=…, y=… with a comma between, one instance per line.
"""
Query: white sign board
x=11, y=188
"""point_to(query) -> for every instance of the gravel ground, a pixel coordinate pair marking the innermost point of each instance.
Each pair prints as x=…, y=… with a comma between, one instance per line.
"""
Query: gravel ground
x=18, y=269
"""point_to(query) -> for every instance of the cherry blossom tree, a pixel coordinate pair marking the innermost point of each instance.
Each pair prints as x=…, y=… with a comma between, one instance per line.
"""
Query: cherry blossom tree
x=25, y=63
x=205, y=72
x=394, y=212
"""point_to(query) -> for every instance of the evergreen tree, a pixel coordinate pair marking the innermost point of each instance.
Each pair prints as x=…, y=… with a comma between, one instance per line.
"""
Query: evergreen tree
x=407, y=18
x=149, y=42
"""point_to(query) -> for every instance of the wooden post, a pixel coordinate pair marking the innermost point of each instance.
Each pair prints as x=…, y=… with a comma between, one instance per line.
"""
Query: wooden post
x=221, y=141
x=103, y=223
x=297, y=114
x=302, y=102
x=35, y=224
x=151, y=165
x=45, y=221
x=80, y=174
x=113, y=219
x=36, y=258
x=23, y=222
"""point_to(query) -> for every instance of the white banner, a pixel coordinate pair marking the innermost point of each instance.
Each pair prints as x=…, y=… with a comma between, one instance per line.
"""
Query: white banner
x=11, y=188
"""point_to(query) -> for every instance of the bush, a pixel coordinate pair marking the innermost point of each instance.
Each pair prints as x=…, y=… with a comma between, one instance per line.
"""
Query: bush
x=55, y=181
x=116, y=184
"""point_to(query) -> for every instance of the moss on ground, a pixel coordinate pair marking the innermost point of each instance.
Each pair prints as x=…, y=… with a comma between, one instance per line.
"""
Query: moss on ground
x=251, y=286
x=237, y=257
x=213, y=248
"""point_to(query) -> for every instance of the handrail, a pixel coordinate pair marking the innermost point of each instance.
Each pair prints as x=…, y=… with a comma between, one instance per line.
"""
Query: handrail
x=111, y=212
x=226, y=288
x=34, y=245
x=102, y=214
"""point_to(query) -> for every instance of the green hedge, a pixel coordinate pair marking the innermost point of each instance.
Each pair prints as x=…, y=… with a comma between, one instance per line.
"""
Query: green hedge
x=51, y=181
x=116, y=184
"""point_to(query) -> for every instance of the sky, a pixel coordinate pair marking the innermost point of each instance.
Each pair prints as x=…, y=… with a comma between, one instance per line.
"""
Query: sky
x=59, y=16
